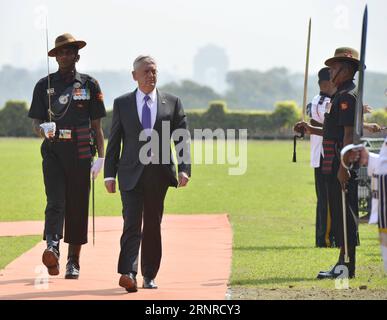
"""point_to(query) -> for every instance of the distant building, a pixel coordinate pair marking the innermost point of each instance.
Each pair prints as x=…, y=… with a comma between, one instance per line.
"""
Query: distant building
x=210, y=67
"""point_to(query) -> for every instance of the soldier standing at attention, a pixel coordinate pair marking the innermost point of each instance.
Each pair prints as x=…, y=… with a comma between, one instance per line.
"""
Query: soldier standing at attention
x=337, y=132
x=318, y=107
x=67, y=124
x=377, y=170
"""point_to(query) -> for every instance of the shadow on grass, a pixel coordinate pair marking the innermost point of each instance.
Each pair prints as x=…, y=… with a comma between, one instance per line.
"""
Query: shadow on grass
x=267, y=248
x=370, y=238
x=372, y=254
x=270, y=281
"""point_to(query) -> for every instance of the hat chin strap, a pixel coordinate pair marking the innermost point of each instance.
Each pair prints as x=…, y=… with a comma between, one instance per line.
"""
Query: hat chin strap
x=338, y=72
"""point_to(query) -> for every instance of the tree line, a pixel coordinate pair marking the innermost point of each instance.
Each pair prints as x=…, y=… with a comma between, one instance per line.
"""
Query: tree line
x=246, y=89
x=14, y=121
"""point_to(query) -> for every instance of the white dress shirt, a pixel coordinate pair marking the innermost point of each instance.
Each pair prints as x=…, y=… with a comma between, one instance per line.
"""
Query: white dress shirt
x=377, y=164
x=152, y=104
x=317, y=112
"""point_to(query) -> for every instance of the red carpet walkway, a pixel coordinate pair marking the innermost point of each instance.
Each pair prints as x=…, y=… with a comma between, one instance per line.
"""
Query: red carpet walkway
x=196, y=263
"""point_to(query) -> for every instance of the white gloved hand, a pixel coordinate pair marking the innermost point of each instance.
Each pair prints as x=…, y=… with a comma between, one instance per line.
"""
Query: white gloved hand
x=49, y=129
x=96, y=168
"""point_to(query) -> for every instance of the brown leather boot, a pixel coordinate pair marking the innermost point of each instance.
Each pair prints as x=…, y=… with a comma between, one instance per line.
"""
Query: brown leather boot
x=51, y=255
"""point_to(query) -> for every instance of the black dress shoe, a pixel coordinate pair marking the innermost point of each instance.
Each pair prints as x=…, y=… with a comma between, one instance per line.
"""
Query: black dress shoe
x=50, y=259
x=337, y=271
x=51, y=255
x=149, y=283
x=129, y=282
x=72, y=269
x=72, y=266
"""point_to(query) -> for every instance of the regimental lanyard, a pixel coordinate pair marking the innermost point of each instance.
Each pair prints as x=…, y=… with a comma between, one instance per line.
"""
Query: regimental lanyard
x=61, y=105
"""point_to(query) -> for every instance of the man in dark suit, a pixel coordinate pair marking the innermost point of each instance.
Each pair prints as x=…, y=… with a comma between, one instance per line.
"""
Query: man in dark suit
x=144, y=121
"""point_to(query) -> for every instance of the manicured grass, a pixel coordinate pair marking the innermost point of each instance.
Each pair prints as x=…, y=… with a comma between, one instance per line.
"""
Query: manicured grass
x=271, y=208
x=13, y=247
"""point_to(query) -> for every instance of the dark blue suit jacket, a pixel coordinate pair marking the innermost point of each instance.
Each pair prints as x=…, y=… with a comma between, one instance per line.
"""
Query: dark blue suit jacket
x=125, y=130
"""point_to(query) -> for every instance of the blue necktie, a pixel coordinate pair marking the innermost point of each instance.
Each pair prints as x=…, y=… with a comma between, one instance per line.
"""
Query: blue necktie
x=146, y=119
x=146, y=114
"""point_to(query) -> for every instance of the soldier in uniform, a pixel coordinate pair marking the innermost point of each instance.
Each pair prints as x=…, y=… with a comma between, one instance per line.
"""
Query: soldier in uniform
x=317, y=109
x=68, y=124
x=377, y=170
x=337, y=132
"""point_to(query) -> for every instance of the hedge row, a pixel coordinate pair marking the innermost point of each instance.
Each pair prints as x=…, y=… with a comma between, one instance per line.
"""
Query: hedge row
x=260, y=125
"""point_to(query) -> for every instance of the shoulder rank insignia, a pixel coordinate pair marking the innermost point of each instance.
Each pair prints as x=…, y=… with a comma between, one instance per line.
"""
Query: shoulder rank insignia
x=344, y=105
x=100, y=96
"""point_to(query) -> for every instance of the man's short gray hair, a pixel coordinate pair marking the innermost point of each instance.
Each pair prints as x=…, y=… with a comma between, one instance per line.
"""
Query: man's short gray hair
x=141, y=59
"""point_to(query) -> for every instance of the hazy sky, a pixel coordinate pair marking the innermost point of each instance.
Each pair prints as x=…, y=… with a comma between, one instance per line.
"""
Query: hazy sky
x=255, y=34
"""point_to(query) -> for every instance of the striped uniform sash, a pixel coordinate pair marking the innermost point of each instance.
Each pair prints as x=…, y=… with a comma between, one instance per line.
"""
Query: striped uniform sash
x=329, y=154
x=83, y=142
x=382, y=188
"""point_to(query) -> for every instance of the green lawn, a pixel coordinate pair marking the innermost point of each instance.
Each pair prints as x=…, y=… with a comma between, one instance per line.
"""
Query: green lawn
x=13, y=247
x=271, y=207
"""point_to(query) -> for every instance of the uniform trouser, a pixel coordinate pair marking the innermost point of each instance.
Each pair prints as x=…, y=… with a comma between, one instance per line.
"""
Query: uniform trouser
x=382, y=216
x=382, y=209
x=143, y=205
x=324, y=234
x=67, y=185
x=335, y=205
